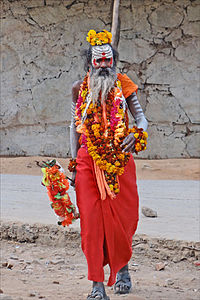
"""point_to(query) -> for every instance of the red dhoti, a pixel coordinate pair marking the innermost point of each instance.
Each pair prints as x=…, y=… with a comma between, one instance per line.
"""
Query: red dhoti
x=107, y=226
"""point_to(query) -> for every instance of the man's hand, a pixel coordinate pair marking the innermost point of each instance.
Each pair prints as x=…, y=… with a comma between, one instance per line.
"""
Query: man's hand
x=76, y=214
x=73, y=179
x=128, y=144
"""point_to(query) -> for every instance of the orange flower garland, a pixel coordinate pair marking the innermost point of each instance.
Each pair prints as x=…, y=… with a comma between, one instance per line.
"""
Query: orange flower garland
x=140, y=139
x=57, y=186
x=103, y=138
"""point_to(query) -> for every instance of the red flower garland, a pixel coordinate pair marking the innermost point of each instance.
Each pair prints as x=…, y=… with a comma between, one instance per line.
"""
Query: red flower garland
x=57, y=186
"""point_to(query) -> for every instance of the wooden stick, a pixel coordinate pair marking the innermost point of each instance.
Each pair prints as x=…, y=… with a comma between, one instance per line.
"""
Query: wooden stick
x=69, y=179
x=115, y=23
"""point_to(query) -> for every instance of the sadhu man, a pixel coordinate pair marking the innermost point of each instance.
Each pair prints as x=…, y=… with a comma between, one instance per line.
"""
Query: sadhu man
x=105, y=179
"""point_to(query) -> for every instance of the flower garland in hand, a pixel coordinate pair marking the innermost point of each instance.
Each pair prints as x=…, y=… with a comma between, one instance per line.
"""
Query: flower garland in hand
x=140, y=138
x=57, y=186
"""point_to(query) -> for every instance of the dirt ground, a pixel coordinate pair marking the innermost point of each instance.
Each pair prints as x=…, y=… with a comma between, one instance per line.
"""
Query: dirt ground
x=172, y=169
x=47, y=272
x=41, y=272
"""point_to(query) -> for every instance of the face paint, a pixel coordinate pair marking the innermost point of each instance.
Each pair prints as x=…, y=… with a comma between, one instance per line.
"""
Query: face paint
x=94, y=62
x=102, y=53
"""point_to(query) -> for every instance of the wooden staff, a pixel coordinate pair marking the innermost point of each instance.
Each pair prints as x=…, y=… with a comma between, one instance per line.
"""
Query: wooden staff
x=115, y=24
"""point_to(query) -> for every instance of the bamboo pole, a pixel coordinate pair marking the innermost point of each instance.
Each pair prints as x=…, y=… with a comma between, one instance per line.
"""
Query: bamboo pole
x=115, y=24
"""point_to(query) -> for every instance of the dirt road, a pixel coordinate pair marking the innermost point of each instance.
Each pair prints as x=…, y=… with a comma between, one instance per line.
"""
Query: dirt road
x=33, y=271
x=49, y=272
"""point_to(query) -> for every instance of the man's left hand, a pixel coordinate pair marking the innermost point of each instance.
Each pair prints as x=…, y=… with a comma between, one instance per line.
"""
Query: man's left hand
x=128, y=144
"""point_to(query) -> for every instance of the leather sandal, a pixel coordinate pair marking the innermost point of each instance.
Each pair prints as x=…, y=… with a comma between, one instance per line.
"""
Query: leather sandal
x=97, y=294
x=123, y=283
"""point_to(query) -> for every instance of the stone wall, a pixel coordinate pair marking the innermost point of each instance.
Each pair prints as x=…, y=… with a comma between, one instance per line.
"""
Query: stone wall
x=41, y=42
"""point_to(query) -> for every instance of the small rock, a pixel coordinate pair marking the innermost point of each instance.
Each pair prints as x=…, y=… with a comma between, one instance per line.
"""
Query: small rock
x=24, y=267
x=14, y=257
x=160, y=266
x=134, y=269
x=193, y=279
x=148, y=212
x=36, y=262
x=57, y=262
x=177, y=259
x=29, y=267
x=1, y=291
x=178, y=288
x=4, y=264
x=30, y=21
x=58, y=257
x=146, y=167
x=24, y=281
x=169, y=281
x=56, y=282
x=10, y=266
x=33, y=294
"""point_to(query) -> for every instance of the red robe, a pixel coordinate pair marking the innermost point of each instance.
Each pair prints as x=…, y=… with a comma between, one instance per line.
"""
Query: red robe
x=107, y=226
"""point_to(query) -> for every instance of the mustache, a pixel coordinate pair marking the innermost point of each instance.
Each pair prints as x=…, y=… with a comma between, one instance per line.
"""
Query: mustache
x=104, y=72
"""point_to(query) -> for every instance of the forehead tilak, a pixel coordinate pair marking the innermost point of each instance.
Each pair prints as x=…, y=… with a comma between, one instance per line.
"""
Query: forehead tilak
x=104, y=51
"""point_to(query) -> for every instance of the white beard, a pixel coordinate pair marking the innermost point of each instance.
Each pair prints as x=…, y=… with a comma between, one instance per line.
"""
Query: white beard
x=102, y=82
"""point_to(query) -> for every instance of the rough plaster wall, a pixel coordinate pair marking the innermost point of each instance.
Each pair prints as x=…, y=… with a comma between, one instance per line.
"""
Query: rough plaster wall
x=41, y=43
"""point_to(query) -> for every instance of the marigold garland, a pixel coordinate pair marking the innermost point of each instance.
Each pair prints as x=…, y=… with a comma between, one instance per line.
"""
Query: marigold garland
x=57, y=186
x=140, y=138
x=103, y=37
x=103, y=141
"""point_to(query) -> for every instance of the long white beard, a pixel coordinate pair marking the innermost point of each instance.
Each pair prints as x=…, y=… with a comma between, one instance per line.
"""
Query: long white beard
x=102, y=80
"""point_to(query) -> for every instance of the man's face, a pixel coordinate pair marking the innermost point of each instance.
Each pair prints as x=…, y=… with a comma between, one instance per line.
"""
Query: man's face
x=102, y=73
x=102, y=57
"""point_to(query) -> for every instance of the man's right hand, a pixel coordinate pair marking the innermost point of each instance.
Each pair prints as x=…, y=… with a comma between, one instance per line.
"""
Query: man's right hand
x=73, y=179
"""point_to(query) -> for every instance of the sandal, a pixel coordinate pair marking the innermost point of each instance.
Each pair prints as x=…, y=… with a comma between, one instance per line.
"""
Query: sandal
x=123, y=283
x=97, y=294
